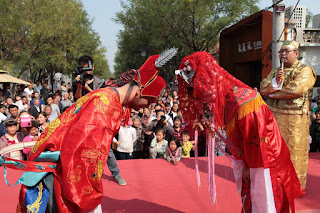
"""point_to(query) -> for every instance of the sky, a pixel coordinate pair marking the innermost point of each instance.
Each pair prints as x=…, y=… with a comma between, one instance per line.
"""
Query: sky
x=102, y=12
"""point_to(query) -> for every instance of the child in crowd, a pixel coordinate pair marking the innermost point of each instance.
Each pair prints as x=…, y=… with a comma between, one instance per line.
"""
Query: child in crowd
x=22, y=128
x=126, y=137
x=158, y=145
x=186, y=145
x=32, y=136
x=178, y=129
x=173, y=151
x=138, y=143
x=179, y=113
x=12, y=137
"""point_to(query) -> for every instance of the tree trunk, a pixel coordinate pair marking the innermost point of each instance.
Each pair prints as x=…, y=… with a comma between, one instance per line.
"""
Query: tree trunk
x=51, y=76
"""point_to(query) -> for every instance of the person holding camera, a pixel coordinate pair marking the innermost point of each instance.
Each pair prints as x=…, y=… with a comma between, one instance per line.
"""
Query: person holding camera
x=161, y=122
x=84, y=83
x=154, y=111
x=32, y=129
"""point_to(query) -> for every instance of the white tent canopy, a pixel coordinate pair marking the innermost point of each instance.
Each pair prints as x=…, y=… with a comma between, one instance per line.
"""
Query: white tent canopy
x=6, y=78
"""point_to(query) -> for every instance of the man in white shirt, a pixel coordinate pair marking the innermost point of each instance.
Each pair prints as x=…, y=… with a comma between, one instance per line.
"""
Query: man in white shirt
x=2, y=111
x=29, y=91
x=127, y=136
x=22, y=104
x=63, y=87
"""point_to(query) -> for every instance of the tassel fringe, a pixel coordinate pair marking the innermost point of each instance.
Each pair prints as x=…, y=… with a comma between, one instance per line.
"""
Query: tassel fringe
x=244, y=110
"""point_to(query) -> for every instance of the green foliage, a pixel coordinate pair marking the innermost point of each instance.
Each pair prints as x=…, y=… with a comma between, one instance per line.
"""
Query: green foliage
x=39, y=36
x=308, y=17
x=190, y=25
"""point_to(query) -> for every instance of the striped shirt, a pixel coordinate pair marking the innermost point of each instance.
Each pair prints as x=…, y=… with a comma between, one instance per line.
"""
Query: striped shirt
x=178, y=134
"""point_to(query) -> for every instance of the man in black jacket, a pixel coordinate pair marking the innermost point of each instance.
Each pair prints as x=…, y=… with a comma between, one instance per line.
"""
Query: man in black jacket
x=87, y=84
x=315, y=133
x=35, y=109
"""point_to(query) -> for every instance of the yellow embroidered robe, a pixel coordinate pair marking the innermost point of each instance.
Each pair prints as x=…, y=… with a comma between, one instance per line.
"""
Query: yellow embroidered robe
x=290, y=106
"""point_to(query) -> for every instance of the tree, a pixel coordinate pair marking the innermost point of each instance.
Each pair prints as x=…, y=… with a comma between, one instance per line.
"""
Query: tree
x=39, y=36
x=190, y=25
x=308, y=17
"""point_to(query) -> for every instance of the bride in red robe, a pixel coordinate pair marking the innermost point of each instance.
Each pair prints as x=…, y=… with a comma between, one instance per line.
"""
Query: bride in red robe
x=264, y=174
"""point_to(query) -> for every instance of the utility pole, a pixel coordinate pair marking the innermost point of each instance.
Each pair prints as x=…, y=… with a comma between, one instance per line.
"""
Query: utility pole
x=277, y=28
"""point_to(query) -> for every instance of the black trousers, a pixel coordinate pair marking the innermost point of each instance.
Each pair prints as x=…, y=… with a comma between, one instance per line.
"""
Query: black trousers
x=314, y=147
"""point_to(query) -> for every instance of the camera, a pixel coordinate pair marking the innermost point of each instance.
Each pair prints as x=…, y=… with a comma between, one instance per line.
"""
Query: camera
x=162, y=118
x=81, y=70
x=25, y=121
x=160, y=124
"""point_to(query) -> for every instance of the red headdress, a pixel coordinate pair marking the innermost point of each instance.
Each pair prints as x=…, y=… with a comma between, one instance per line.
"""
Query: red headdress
x=205, y=86
x=147, y=76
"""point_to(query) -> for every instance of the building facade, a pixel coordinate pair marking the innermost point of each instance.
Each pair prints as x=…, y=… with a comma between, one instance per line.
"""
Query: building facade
x=245, y=48
x=299, y=15
x=309, y=48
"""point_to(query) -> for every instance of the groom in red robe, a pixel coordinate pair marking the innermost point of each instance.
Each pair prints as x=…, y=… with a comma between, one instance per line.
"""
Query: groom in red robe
x=83, y=135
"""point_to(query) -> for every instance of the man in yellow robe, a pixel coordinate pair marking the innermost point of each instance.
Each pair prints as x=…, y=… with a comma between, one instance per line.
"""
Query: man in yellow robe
x=288, y=93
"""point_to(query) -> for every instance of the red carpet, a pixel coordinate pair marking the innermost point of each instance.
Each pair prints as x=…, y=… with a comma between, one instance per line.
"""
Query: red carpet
x=158, y=186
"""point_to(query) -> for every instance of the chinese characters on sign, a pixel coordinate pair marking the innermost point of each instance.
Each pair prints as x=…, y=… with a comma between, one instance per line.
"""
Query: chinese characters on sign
x=246, y=46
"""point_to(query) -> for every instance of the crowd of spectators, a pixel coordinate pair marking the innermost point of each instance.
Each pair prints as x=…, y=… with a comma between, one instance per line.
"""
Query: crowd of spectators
x=38, y=102
x=157, y=131
x=315, y=124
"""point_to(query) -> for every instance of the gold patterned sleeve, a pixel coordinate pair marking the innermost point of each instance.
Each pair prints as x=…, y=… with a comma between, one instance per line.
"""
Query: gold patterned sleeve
x=266, y=85
x=303, y=82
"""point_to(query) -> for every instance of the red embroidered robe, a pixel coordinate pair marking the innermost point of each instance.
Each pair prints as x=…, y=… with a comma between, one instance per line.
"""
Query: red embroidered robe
x=83, y=134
